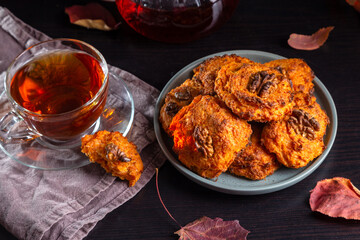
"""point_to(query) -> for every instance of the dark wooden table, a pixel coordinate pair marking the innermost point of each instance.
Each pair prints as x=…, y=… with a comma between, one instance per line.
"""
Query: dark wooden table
x=256, y=25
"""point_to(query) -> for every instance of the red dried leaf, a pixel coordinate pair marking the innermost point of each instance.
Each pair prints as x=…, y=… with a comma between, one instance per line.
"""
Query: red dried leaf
x=206, y=228
x=306, y=42
x=91, y=15
x=355, y=4
x=336, y=197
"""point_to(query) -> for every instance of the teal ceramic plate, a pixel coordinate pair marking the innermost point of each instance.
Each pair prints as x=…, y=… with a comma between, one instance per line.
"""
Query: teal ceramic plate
x=282, y=178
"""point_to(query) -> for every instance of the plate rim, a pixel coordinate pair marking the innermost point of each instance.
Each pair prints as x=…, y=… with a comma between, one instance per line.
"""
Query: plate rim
x=254, y=190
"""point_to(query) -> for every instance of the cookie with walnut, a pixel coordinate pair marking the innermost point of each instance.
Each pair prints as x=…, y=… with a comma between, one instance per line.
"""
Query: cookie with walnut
x=304, y=99
x=115, y=154
x=297, y=139
x=207, y=71
x=202, y=83
x=255, y=92
x=297, y=70
x=176, y=99
x=207, y=136
x=254, y=162
x=301, y=76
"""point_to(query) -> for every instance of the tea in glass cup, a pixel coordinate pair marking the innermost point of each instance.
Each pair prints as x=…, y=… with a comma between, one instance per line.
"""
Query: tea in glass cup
x=59, y=88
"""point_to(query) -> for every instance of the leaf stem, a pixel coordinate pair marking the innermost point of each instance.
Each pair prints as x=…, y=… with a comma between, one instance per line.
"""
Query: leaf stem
x=158, y=192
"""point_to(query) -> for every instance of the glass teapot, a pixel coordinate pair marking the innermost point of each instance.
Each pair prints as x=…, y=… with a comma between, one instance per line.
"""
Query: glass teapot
x=175, y=20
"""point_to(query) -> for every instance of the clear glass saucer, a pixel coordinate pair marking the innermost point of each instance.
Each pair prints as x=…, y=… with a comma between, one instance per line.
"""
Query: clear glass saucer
x=118, y=115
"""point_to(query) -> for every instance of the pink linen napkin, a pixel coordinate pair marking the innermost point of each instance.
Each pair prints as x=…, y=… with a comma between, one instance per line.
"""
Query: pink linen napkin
x=37, y=204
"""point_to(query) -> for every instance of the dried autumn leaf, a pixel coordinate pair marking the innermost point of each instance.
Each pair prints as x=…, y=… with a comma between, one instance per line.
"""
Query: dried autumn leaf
x=355, y=4
x=206, y=228
x=306, y=42
x=91, y=15
x=336, y=197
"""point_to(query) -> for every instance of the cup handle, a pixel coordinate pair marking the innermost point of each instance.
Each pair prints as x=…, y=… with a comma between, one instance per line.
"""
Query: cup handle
x=10, y=132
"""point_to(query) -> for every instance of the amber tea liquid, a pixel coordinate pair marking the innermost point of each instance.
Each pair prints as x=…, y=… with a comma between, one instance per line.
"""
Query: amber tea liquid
x=56, y=83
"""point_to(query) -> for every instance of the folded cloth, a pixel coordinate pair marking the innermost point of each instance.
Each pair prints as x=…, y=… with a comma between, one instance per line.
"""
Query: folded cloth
x=38, y=204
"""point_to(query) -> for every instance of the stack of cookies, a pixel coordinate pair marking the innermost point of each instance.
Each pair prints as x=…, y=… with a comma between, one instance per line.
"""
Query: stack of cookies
x=244, y=117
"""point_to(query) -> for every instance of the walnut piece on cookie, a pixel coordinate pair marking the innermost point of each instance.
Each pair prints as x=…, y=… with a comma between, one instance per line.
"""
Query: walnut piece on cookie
x=115, y=154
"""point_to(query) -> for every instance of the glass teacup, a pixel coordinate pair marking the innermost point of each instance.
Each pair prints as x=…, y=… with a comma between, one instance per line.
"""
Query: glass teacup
x=59, y=89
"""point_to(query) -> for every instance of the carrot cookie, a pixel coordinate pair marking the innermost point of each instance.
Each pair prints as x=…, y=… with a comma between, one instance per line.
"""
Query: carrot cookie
x=255, y=92
x=298, y=139
x=176, y=99
x=301, y=76
x=254, y=162
x=207, y=136
x=115, y=154
x=207, y=71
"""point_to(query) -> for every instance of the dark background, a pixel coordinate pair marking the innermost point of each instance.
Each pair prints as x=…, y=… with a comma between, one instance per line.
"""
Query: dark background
x=256, y=25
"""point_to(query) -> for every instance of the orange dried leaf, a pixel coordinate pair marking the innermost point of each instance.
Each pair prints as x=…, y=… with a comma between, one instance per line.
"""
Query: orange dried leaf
x=336, y=197
x=355, y=4
x=91, y=15
x=306, y=42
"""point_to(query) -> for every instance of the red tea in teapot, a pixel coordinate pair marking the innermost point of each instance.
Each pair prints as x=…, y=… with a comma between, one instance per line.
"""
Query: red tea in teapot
x=175, y=21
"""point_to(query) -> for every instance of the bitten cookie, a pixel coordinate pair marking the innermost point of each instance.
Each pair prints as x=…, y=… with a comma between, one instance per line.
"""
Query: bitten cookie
x=115, y=154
